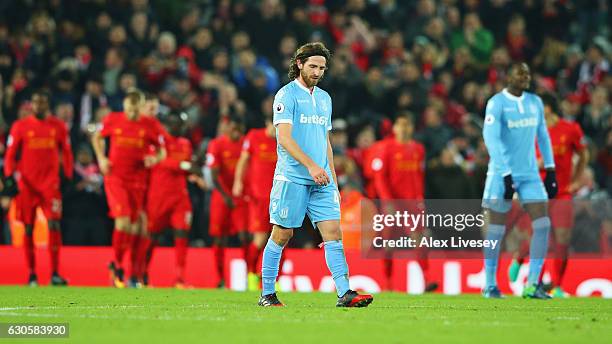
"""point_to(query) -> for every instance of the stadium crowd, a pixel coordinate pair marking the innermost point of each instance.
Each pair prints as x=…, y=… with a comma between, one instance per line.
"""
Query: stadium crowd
x=437, y=61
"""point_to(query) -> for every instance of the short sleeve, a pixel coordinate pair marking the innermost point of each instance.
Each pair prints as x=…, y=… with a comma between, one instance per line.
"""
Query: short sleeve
x=106, y=127
x=212, y=155
x=247, y=144
x=580, y=142
x=283, y=108
x=329, y=118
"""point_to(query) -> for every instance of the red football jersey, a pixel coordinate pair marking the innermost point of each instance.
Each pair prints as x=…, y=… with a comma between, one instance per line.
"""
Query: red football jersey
x=224, y=153
x=167, y=178
x=399, y=170
x=566, y=138
x=40, y=143
x=262, y=151
x=130, y=141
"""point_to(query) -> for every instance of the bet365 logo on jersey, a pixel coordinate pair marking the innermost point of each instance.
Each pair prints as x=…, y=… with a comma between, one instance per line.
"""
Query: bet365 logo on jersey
x=313, y=119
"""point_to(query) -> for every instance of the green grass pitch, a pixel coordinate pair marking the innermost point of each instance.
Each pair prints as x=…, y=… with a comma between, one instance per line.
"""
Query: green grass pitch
x=105, y=315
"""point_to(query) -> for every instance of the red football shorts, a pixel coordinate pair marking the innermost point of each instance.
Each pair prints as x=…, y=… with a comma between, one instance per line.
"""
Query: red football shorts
x=225, y=221
x=28, y=199
x=259, y=215
x=125, y=199
x=168, y=212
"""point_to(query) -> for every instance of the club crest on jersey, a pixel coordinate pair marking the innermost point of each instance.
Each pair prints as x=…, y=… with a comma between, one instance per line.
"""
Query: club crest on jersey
x=313, y=119
x=324, y=106
x=279, y=108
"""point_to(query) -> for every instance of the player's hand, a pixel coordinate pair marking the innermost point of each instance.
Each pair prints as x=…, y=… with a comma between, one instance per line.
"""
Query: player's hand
x=104, y=165
x=508, y=187
x=318, y=175
x=150, y=161
x=237, y=188
x=550, y=183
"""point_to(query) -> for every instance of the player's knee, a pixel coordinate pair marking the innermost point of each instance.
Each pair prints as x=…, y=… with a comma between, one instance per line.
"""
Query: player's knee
x=563, y=235
x=122, y=224
x=281, y=236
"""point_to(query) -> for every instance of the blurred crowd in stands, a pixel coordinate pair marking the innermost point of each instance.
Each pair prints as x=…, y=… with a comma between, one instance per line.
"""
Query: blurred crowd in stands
x=439, y=60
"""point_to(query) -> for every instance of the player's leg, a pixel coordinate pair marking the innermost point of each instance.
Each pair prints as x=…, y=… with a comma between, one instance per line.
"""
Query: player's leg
x=259, y=227
x=25, y=211
x=562, y=219
x=141, y=240
x=495, y=215
x=135, y=245
x=181, y=223
x=219, y=222
x=52, y=207
x=121, y=243
x=324, y=211
x=287, y=210
x=119, y=205
x=239, y=225
x=522, y=227
x=270, y=264
x=535, y=200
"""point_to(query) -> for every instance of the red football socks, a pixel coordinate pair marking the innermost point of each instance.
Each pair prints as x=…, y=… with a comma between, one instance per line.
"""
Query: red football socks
x=55, y=242
x=28, y=246
x=181, y=256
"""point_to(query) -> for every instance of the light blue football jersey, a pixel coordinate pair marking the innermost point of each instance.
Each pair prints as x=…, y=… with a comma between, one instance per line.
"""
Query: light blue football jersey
x=512, y=125
x=310, y=117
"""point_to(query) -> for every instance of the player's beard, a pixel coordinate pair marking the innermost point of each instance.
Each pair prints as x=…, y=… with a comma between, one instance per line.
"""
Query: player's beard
x=310, y=82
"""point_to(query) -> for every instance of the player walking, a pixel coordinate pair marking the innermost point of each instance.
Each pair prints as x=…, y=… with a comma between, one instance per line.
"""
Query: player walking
x=227, y=214
x=168, y=203
x=39, y=139
x=305, y=180
x=514, y=119
x=258, y=157
x=125, y=173
x=567, y=139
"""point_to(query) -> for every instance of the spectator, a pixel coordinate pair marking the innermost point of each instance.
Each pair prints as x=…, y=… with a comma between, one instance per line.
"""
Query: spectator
x=478, y=39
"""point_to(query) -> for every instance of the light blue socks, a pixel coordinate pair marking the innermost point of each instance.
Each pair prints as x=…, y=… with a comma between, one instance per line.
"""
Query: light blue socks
x=269, y=266
x=336, y=262
x=494, y=232
x=538, y=248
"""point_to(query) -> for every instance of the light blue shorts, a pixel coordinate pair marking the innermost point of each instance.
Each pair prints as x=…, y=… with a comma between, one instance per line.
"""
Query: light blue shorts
x=529, y=189
x=290, y=202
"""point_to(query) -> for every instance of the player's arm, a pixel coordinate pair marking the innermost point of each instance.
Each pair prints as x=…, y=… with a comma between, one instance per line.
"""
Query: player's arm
x=99, y=147
x=66, y=152
x=330, y=159
x=543, y=138
x=241, y=168
x=583, y=158
x=160, y=153
x=213, y=163
x=491, y=133
x=380, y=167
x=286, y=141
x=544, y=143
x=13, y=144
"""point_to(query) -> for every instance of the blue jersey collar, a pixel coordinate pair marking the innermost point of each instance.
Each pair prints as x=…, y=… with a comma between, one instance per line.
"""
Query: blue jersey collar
x=513, y=97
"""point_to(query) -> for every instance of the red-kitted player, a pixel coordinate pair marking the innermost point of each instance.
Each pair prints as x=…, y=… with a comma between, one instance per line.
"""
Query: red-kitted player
x=228, y=214
x=258, y=161
x=399, y=175
x=125, y=172
x=143, y=245
x=168, y=203
x=40, y=139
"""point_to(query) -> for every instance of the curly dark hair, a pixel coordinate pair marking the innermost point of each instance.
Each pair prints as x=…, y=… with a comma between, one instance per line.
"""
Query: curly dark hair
x=303, y=53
